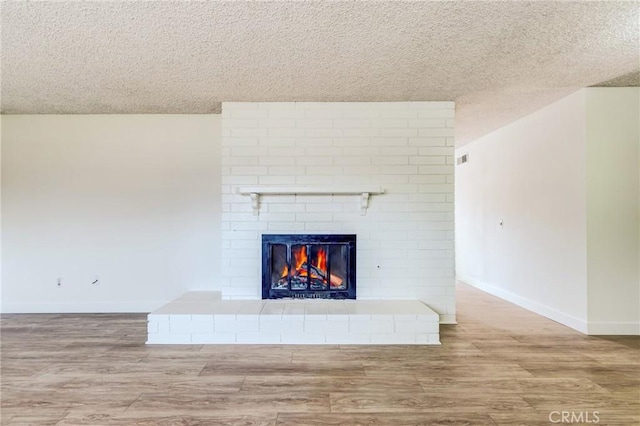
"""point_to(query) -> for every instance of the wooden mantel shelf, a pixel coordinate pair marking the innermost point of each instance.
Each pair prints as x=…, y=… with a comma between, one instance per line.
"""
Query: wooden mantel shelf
x=363, y=191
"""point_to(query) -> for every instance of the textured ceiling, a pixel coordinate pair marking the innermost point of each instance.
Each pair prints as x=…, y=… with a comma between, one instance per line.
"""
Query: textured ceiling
x=497, y=60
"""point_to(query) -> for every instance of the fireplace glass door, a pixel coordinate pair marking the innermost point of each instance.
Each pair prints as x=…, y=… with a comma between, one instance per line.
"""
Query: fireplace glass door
x=309, y=266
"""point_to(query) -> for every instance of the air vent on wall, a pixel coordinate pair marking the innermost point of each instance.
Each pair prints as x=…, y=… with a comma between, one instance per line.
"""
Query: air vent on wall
x=462, y=159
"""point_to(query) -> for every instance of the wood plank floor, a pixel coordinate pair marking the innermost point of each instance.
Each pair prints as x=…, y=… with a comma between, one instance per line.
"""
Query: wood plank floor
x=501, y=365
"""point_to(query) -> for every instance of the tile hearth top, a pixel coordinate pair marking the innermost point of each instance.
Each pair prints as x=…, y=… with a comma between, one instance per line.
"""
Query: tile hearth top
x=202, y=317
x=208, y=303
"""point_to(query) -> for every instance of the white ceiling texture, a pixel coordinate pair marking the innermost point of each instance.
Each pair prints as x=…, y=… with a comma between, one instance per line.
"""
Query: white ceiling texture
x=497, y=60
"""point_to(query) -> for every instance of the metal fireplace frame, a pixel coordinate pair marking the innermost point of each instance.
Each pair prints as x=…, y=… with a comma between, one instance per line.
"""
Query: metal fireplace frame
x=348, y=240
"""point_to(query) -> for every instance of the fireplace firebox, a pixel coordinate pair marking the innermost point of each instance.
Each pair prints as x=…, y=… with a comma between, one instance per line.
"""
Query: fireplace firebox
x=308, y=266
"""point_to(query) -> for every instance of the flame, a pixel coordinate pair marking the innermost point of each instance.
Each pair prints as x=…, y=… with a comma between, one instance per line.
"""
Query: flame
x=300, y=256
x=321, y=260
x=299, y=259
x=299, y=263
x=285, y=272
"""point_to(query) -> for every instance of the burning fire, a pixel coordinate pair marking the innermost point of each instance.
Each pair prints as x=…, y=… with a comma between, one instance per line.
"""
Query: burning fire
x=300, y=266
x=300, y=261
x=321, y=260
x=285, y=272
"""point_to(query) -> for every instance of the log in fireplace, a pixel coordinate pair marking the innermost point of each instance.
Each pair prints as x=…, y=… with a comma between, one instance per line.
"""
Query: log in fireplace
x=319, y=266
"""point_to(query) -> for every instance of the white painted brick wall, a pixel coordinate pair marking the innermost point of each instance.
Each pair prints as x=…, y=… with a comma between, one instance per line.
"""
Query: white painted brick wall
x=405, y=241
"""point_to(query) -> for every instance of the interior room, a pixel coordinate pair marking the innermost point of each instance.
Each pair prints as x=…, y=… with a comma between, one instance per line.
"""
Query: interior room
x=322, y=213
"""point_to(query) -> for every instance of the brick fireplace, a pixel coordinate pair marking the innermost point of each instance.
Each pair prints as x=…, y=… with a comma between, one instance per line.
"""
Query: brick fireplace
x=381, y=173
x=404, y=147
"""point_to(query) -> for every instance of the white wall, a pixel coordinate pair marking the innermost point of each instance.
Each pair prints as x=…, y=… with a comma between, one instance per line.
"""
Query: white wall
x=133, y=199
x=613, y=206
x=565, y=181
x=405, y=247
x=530, y=175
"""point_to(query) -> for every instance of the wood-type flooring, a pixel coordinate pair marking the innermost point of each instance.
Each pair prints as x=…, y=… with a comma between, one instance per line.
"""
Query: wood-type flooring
x=501, y=365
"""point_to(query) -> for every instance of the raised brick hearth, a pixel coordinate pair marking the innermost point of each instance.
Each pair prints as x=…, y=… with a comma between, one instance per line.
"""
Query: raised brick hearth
x=201, y=317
